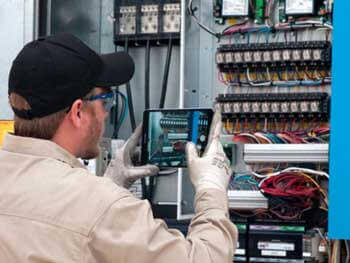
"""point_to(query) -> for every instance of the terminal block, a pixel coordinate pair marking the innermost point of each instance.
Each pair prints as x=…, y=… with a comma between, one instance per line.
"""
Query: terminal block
x=171, y=18
x=127, y=20
x=149, y=19
x=241, y=56
x=137, y=22
x=275, y=105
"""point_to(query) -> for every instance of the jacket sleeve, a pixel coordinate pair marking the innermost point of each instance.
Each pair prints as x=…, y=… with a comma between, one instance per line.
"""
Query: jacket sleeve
x=127, y=232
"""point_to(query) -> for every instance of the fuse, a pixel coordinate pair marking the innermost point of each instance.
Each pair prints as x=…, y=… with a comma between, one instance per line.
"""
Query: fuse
x=276, y=55
x=267, y=56
x=236, y=107
x=257, y=56
x=275, y=107
x=296, y=54
x=248, y=56
x=286, y=55
x=316, y=54
x=304, y=106
x=255, y=107
x=284, y=107
x=219, y=58
x=294, y=106
x=307, y=54
x=228, y=57
x=265, y=107
x=246, y=107
x=315, y=106
x=238, y=57
x=227, y=108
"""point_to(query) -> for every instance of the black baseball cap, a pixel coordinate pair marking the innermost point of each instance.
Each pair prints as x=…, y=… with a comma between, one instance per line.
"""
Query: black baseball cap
x=52, y=72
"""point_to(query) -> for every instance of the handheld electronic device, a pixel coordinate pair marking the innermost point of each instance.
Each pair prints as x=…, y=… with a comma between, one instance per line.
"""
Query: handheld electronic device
x=167, y=131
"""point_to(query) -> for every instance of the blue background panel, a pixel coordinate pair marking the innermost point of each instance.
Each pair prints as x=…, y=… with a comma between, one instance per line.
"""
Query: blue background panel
x=339, y=198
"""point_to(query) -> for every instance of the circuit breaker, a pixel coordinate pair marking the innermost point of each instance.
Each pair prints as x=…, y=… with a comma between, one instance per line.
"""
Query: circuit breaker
x=137, y=22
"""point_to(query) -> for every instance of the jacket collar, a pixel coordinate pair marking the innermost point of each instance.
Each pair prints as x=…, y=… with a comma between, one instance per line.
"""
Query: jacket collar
x=39, y=147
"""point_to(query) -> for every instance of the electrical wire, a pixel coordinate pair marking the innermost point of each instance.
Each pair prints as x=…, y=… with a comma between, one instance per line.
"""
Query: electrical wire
x=192, y=11
x=161, y=104
x=293, y=169
x=347, y=259
x=114, y=110
x=124, y=110
x=166, y=74
x=147, y=74
x=129, y=95
x=123, y=113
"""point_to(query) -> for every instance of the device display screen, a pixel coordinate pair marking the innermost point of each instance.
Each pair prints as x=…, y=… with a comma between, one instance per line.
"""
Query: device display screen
x=166, y=133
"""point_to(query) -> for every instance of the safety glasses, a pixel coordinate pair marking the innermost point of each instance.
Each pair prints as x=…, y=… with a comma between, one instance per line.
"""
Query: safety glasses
x=108, y=100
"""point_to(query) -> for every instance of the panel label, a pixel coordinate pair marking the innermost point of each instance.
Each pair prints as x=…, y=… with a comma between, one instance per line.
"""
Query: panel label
x=274, y=253
x=276, y=246
x=235, y=7
x=240, y=251
x=299, y=7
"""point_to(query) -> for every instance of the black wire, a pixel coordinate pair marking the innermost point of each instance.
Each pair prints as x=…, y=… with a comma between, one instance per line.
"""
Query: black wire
x=129, y=95
x=118, y=124
x=161, y=104
x=166, y=74
x=116, y=117
x=147, y=72
x=191, y=11
x=144, y=189
x=145, y=194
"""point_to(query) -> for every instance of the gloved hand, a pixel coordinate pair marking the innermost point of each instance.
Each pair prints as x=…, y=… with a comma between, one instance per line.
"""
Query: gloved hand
x=213, y=169
x=121, y=169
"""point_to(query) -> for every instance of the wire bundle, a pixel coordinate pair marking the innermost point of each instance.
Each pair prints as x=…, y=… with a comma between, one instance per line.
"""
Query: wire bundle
x=319, y=135
x=244, y=182
x=293, y=191
x=299, y=190
x=294, y=76
x=123, y=112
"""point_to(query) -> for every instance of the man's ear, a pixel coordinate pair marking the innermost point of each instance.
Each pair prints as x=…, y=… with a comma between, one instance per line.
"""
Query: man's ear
x=76, y=113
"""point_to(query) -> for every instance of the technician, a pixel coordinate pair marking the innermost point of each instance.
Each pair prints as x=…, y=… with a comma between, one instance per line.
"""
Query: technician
x=53, y=210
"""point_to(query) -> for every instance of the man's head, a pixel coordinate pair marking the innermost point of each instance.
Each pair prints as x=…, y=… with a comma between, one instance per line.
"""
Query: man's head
x=56, y=82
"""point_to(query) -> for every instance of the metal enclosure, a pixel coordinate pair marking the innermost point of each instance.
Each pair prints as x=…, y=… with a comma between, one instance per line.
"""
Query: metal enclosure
x=17, y=27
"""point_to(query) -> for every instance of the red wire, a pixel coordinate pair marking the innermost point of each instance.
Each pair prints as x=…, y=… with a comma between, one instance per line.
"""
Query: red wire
x=291, y=185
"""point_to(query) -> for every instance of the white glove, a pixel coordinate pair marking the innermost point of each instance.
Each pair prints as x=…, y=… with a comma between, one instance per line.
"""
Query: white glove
x=213, y=169
x=121, y=169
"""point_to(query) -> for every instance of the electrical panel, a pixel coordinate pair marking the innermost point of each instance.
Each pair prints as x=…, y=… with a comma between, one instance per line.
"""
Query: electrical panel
x=137, y=22
x=273, y=61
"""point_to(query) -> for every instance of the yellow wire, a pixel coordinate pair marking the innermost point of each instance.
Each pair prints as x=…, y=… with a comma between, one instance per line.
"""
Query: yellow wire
x=317, y=185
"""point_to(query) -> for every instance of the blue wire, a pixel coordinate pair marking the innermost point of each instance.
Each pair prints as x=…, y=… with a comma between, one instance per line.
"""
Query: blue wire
x=124, y=113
